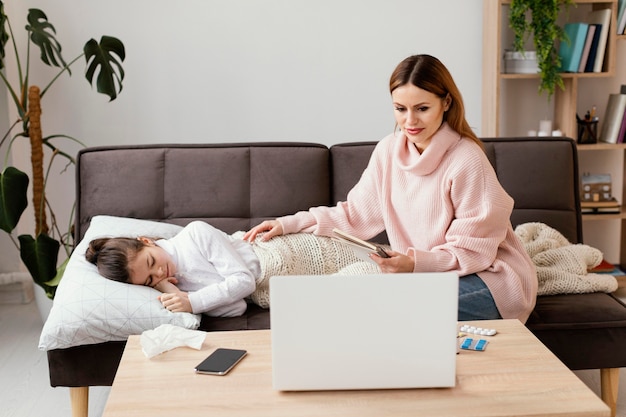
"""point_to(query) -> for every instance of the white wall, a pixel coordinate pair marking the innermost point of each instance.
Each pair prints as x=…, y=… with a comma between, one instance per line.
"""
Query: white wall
x=247, y=70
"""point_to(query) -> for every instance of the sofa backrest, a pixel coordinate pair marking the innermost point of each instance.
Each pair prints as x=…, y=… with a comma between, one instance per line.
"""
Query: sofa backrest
x=231, y=186
x=235, y=186
x=541, y=174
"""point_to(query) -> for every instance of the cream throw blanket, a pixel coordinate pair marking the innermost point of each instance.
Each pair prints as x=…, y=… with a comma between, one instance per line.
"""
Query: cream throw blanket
x=303, y=254
x=561, y=266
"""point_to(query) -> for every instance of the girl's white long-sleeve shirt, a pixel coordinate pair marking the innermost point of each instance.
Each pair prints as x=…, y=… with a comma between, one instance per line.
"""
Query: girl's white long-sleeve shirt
x=216, y=270
x=445, y=207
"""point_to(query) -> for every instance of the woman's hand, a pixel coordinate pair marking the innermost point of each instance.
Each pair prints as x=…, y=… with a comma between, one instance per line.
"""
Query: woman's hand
x=397, y=262
x=177, y=302
x=272, y=227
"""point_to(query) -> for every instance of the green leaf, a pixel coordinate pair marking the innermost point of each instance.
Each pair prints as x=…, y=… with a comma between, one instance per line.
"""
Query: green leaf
x=40, y=257
x=13, y=197
x=103, y=56
x=42, y=34
x=54, y=282
x=4, y=35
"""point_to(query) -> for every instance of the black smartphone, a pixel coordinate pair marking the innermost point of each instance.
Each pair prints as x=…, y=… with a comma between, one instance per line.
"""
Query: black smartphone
x=220, y=361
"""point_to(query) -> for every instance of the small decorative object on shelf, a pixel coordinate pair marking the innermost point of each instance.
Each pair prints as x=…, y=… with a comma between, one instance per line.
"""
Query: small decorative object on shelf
x=520, y=62
x=596, y=196
x=539, y=19
x=596, y=188
x=588, y=127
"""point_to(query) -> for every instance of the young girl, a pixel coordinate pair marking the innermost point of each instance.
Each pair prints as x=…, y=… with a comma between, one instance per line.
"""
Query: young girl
x=204, y=270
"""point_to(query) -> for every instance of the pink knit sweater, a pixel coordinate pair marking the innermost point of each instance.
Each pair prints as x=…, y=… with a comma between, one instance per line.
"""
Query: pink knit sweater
x=444, y=207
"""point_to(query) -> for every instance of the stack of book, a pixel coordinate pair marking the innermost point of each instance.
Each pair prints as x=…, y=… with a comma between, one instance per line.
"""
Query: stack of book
x=600, y=207
x=585, y=44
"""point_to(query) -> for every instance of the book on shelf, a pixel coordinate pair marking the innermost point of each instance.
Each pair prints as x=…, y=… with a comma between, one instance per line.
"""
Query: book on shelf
x=621, y=136
x=571, y=48
x=593, y=50
x=611, y=206
x=600, y=204
x=601, y=210
x=602, y=17
x=605, y=267
x=615, y=108
x=621, y=17
x=591, y=30
x=361, y=247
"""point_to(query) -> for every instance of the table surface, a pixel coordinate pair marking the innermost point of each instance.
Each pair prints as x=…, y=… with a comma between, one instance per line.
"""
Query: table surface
x=516, y=376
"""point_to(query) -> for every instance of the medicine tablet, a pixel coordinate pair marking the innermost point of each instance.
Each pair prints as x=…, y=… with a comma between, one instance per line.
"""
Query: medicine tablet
x=477, y=330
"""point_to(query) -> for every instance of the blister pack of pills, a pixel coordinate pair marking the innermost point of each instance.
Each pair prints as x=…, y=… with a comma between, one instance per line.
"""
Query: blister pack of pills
x=474, y=344
x=477, y=330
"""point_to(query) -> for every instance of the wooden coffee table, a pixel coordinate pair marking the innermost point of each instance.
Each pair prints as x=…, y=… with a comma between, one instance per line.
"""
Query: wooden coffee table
x=515, y=376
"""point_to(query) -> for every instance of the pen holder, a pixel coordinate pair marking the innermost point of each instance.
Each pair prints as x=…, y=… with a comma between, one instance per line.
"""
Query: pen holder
x=587, y=131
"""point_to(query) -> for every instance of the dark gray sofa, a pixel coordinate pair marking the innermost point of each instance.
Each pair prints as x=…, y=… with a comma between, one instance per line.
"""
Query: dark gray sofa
x=235, y=186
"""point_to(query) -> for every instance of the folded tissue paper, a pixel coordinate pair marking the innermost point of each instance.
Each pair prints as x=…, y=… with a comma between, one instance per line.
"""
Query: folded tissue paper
x=167, y=337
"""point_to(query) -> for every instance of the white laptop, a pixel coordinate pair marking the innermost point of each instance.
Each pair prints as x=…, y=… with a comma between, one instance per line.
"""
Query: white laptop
x=337, y=332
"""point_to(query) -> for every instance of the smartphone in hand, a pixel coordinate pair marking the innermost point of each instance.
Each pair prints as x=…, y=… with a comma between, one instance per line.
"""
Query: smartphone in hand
x=220, y=361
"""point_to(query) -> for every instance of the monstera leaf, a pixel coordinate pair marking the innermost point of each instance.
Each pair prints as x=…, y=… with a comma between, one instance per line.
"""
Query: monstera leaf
x=42, y=34
x=104, y=71
x=102, y=55
x=13, y=188
x=4, y=35
x=40, y=257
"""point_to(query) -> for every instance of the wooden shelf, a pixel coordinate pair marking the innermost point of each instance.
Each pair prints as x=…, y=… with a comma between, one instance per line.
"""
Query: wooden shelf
x=604, y=216
x=601, y=146
x=564, y=101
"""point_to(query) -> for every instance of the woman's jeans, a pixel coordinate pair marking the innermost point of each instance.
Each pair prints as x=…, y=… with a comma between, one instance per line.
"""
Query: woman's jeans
x=475, y=300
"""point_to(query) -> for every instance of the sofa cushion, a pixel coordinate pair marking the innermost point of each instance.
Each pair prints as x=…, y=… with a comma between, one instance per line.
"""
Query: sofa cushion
x=582, y=329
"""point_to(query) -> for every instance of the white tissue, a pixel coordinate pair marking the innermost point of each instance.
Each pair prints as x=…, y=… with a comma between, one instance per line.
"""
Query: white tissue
x=167, y=337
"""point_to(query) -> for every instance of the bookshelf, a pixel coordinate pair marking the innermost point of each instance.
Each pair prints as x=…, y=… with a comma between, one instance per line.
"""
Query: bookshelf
x=511, y=106
x=499, y=87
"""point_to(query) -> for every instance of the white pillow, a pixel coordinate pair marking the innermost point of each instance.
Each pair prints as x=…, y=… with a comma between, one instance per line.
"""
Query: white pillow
x=89, y=308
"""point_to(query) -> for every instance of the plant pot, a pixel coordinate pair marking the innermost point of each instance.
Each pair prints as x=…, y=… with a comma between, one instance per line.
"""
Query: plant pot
x=44, y=304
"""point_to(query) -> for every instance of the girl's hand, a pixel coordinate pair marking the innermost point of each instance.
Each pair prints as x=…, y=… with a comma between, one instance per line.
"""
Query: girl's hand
x=177, y=302
x=166, y=285
x=397, y=262
x=272, y=227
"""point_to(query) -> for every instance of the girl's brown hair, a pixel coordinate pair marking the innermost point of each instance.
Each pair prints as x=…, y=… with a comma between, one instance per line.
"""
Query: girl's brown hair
x=429, y=74
x=113, y=255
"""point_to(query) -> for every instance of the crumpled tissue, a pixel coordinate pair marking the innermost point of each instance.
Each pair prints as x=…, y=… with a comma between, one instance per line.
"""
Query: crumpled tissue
x=167, y=337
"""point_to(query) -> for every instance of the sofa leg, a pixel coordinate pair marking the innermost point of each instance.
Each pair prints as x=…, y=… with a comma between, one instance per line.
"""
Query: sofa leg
x=609, y=384
x=79, y=397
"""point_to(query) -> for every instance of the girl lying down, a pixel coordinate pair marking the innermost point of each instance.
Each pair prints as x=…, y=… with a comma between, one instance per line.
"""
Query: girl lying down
x=204, y=270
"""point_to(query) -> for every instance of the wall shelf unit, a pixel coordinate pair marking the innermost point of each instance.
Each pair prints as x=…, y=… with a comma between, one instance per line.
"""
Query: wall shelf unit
x=497, y=36
x=509, y=97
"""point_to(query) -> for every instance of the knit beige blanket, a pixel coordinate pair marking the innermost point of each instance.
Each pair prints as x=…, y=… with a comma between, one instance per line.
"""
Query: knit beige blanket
x=303, y=254
x=562, y=266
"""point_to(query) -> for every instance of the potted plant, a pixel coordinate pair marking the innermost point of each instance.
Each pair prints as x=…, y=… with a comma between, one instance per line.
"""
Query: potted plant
x=539, y=19
x=40, y=252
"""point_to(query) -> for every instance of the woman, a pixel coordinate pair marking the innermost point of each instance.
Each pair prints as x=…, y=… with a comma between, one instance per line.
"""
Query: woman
x=432, y=188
